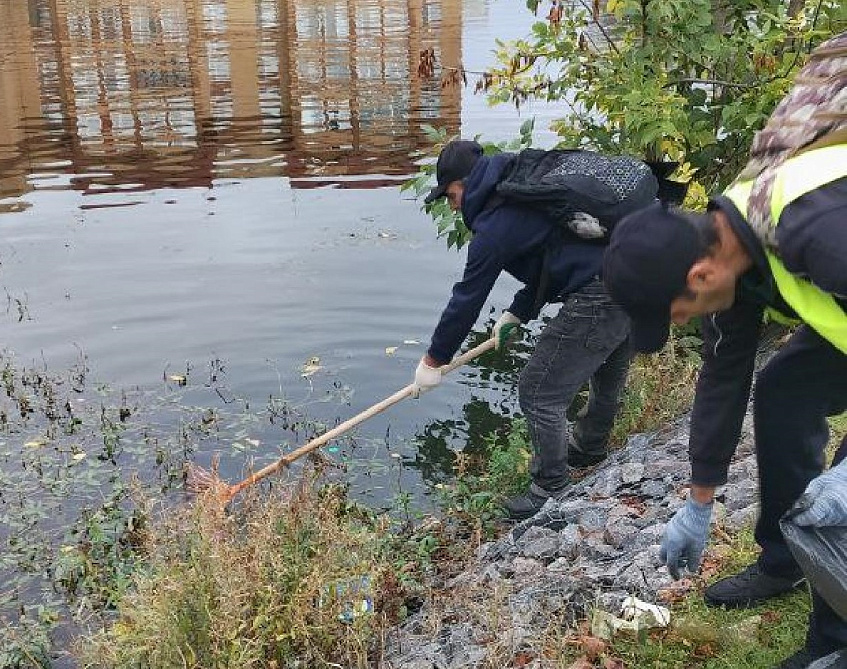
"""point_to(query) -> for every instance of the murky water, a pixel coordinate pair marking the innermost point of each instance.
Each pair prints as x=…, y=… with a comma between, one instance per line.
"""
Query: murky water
x=195, y=185
x=207, y=192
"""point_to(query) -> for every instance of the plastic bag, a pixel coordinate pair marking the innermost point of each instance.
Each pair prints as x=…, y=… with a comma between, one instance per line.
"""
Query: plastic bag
x=837, y=660
x=821, y=553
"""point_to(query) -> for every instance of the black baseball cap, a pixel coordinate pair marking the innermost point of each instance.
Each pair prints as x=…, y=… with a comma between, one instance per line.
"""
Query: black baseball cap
x=455, y=162
x=646, y=265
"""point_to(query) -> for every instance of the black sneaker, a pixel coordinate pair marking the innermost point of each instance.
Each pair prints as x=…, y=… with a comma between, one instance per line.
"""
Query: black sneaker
x=749, y=587
x=527, y=504
x=580, y=459
x=806, y=659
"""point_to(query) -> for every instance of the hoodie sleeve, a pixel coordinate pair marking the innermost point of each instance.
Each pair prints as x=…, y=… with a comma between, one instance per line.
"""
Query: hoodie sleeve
x=523, y=304
x=483, y=266
x=730, y=341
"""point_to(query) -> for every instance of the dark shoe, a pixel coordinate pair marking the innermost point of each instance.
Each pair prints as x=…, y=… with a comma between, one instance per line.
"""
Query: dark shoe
x=806, y=659
x=579, y=459
x=749, y=587
x=527, y=504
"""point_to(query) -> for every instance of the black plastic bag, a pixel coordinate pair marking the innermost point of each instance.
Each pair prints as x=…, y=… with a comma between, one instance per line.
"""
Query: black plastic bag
x=821, y=553
x=837, y=660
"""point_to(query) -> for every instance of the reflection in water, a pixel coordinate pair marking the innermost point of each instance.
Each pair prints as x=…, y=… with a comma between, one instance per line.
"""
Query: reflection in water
x=434, y=455
x=140, y=94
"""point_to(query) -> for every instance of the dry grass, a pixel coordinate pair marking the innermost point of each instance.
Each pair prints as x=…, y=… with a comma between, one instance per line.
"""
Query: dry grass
x=268, y=586
x=659, y=388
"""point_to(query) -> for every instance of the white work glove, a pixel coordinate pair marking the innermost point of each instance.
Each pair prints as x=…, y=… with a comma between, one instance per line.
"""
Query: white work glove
x=504, y=330
x=825, y=500
x=426, y=378
x=686, y=536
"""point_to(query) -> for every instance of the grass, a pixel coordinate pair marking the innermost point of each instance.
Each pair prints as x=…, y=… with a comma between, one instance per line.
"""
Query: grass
x=659, y=388
x=301, y=579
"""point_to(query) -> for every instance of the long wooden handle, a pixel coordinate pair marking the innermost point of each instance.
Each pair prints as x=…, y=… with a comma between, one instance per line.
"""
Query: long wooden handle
x=340, y=429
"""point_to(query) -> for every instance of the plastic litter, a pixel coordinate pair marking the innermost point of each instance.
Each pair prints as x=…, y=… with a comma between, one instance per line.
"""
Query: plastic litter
x=636, y=616
x=836, y=660
x=355, y=595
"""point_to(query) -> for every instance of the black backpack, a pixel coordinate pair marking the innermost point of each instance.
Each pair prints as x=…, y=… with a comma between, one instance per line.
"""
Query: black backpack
x=585, y=191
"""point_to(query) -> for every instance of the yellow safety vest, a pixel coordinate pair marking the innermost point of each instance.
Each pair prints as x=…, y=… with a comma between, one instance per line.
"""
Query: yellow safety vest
x=796, y=177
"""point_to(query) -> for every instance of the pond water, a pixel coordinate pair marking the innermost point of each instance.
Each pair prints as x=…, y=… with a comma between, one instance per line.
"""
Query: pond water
x=209, y=189
x=204, y=251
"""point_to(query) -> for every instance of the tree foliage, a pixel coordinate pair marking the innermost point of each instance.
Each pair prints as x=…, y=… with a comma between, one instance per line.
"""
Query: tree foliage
x=684, y=80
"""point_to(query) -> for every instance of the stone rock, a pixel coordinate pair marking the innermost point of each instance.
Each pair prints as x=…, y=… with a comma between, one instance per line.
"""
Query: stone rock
x=620, y=533
x=632, y=472
x=542, y=549
x=522, y=566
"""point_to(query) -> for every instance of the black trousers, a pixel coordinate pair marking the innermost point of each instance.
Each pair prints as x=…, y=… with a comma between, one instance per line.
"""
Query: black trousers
x=805, y=382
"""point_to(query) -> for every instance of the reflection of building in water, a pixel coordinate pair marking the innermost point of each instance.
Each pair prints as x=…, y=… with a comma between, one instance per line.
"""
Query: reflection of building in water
x=145, y=93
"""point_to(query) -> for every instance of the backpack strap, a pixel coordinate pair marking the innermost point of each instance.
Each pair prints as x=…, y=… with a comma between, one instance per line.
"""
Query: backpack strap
x=543, y=280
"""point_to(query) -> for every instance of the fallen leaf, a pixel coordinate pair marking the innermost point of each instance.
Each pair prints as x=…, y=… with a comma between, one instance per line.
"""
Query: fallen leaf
x=78, y=456
x=36, y=443
x=676, y=591
x=390, y=350
x=593, y=646
x=771, y=617
x=522, y=659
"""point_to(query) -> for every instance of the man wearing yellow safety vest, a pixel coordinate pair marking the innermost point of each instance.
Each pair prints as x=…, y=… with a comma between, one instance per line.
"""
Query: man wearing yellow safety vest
x=667, y=265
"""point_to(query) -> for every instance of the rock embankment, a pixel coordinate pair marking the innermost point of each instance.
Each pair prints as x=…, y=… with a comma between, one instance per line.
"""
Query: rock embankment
x=593, y=547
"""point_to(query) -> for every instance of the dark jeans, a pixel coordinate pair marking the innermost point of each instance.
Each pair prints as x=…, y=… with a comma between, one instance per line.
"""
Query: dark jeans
x=805, y=382
x=588, y=340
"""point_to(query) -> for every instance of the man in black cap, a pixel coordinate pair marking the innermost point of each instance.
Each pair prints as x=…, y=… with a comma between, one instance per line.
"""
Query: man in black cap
x=587, y=340
x=664, y=266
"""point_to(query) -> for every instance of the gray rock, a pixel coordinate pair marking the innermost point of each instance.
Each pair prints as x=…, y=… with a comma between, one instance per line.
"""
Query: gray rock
x=655, y=489
x=649, y=535
x=535, y=533
x=542, y=549
x=522, y=566
x=632, y=472
x=620, y=534
x=743, y=517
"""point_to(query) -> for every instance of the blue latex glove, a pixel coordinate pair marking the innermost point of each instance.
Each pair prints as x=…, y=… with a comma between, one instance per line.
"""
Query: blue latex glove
x=825, y=500
x=685, y=537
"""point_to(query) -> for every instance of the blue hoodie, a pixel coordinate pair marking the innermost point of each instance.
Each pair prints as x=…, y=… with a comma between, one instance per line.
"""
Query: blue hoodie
x=512, y=238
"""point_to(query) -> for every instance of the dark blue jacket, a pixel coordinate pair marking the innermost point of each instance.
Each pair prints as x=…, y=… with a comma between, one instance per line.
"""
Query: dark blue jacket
x=511, y=238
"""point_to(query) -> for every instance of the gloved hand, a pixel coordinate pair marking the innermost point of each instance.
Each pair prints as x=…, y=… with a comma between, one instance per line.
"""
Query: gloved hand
x=825, y=500
x=426, y=378
x=685, y=537
x=504, y=329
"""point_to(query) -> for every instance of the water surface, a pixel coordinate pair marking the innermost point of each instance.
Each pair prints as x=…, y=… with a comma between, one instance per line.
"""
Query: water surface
x=210, y=188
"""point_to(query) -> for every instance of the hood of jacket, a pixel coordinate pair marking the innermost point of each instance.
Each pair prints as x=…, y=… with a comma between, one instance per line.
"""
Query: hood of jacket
x=481, y=184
